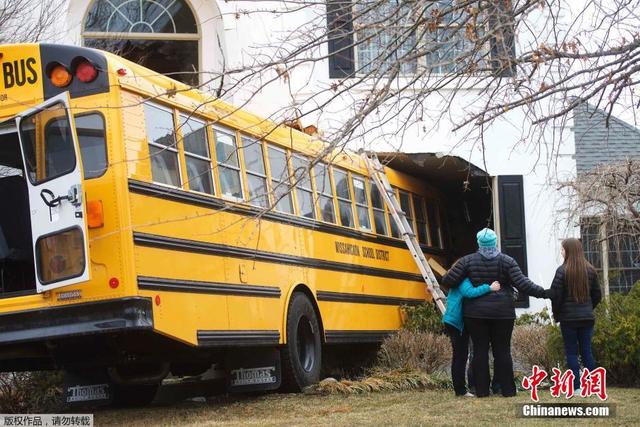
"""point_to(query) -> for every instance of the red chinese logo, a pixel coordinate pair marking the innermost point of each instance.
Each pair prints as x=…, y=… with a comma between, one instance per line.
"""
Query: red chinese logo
x=532, y=382
x=562, y=383
x=594, y=383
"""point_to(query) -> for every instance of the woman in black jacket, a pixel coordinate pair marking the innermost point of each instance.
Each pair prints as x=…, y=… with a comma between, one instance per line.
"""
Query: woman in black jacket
x=489, y=319
x=574, y=294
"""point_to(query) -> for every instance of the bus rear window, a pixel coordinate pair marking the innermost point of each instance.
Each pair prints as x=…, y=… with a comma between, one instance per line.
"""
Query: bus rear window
x=93, y=146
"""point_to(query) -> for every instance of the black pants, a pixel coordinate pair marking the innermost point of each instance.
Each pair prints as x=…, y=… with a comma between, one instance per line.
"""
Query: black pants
x=460, y=350
x=497, y=333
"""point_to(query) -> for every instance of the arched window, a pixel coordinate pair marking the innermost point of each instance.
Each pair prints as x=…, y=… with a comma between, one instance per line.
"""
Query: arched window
x=159, y=34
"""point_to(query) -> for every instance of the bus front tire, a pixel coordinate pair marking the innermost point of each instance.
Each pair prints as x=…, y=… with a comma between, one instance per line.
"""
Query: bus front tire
x=302, y=355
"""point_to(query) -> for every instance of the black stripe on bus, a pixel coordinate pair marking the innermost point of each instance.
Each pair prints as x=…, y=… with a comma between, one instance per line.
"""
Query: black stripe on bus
x=173, y=243
x=193, y=286
x=237, y=338
x=344, y=337
x=182, y=196
x=366, y=299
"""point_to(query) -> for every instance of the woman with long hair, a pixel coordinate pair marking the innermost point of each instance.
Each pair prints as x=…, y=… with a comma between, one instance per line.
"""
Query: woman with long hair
x=574, y=294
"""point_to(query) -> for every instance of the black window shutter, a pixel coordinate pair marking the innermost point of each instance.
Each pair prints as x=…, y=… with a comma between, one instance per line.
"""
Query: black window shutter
x=503, y=44
x=340, y=39
x=513, y=238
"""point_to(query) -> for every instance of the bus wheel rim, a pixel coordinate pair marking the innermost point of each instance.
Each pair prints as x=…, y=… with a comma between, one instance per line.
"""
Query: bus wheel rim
x=306, y=344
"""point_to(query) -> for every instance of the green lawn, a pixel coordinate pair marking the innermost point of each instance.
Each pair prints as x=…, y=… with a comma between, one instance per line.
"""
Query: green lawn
x=428, y=408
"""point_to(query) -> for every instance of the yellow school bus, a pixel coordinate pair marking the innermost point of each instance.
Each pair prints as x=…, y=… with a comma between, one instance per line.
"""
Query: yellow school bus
x=148, y=229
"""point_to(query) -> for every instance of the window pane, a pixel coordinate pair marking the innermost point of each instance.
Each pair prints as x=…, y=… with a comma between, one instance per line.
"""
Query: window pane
x=301, y=172
x=159, y=125
x=93, y=146
x=141, y=16
x=253, y=158
x=346, y=214
x=305, y=203
x=385, y=36
x=327, y=210
x=434, y=225
x=323, y=181
x=394, y=227
x=230, y=182
x=60, y=256
x=418, y=208
x=258, y=191
x=226, y=148
x=278, y=164
x=359, y=191
x=376, y=197
x=363, y=218
x=381, y=224
x=58, y=146
x=194, y=136
x=420, y=218
x=405, y=204
x=422, y=232
x=199, y=173
x=164, y=166
x=282, y=197
x=177, y=59
x=342, y=184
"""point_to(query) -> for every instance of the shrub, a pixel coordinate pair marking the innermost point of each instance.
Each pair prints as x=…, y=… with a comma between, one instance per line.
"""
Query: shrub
x=542, y=317
x=423, y=318
x=22, y=392
x=425, y=351
x=616, y=340
x=537, y=344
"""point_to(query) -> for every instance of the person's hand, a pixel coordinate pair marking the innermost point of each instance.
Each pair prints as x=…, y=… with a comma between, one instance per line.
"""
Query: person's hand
x=495, y=286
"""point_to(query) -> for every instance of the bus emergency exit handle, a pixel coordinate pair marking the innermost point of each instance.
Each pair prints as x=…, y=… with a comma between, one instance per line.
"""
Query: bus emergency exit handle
x=51, y=200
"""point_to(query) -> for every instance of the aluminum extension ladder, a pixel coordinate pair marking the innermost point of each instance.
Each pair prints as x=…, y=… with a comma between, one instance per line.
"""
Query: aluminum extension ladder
x=379, y=177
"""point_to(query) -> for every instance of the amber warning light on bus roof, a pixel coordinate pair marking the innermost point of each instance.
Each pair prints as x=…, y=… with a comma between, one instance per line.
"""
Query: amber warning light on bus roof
x=60, y=76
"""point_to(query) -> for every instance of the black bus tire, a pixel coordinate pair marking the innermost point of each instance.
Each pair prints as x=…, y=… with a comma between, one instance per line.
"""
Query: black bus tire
x=302, y=355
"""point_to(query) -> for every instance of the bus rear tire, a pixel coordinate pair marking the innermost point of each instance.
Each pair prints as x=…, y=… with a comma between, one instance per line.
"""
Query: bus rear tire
x=302, y=355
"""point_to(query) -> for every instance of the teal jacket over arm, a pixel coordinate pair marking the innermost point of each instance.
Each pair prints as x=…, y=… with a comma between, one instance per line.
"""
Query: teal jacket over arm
x=453, y=314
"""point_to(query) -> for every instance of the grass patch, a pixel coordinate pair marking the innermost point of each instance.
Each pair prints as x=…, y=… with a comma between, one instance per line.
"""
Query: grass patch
x=429, y=407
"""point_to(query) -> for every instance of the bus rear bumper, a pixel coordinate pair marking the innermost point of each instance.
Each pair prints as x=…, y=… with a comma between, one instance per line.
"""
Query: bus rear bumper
x=75, y=320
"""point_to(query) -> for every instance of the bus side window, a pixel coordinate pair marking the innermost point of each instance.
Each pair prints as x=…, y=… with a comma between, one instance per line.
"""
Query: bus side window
x=344, y=197
x=280, y=182
x=434, y=224
x=228, y=164
x=379, y=217
x=395, y=232
x=362, y=202
x=304, y=192
x=196, y=154
x=90, y=129
x=405, y=204
x=256, y=172
x=421, y=219
x=163, y=150
x=325, y=192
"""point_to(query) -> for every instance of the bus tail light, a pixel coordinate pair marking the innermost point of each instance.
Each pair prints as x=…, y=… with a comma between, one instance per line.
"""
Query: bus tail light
x=95, y=214
x=86, y=72
x=60, y=76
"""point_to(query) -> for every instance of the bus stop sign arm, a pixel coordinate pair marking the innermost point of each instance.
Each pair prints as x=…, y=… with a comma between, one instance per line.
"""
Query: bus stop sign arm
x=379, y=177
